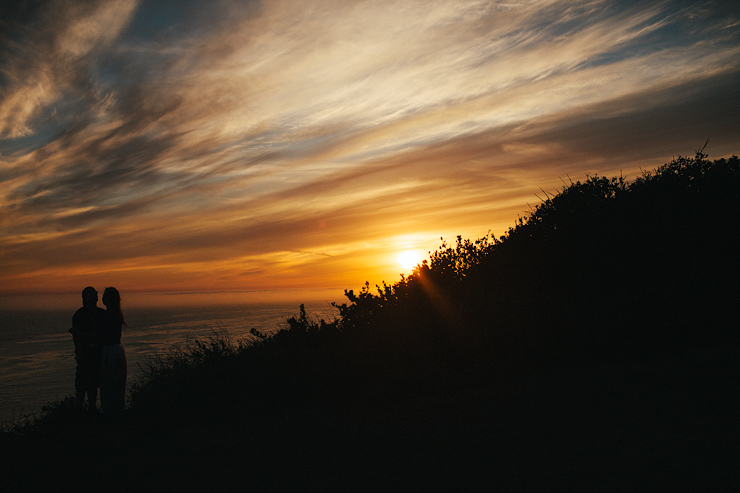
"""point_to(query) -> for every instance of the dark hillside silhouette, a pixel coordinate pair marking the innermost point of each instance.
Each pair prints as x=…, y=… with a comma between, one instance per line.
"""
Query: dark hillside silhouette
x=592, y=346
x=603, y=266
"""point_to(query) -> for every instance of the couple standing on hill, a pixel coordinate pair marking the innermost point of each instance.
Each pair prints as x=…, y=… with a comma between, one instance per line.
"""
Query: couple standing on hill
x=101, y=359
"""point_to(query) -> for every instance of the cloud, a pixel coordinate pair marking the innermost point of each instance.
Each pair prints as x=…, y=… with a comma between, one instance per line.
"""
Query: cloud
x=50, y=56
x=139, y=137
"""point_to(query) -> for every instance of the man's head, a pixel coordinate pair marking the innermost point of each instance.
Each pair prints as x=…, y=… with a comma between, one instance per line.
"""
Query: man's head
x=89, y=296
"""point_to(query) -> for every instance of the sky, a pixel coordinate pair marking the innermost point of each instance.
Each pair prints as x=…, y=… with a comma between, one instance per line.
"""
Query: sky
x=299, y=145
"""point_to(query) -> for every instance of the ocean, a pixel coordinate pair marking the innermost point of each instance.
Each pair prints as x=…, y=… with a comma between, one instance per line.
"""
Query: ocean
x=37, y=362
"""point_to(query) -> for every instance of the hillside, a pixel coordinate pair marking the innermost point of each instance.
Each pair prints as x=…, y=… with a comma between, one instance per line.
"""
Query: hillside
x=591, y=346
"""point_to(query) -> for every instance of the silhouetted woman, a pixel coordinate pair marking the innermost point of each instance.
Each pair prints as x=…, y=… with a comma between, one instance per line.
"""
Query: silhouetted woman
x=113, y=366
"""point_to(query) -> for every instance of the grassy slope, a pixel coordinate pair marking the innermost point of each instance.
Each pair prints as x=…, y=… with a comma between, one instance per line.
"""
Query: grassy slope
x=622, y=394
x=666, y=422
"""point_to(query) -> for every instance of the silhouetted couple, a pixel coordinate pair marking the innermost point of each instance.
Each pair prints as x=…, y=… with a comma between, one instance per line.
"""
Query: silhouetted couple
x=101, y=359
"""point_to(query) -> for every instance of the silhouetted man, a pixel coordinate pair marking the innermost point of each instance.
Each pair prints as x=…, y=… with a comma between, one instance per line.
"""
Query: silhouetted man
x=86, y=335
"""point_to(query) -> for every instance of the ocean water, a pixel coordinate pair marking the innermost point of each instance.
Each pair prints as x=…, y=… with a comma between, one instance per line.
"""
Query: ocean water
x=37, y=362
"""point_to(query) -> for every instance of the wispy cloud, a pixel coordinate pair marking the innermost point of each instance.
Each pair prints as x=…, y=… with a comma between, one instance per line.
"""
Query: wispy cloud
x=47, y=59
x=284, y=141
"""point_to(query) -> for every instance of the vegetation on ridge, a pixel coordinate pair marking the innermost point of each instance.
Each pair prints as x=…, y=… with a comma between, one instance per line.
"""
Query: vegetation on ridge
x=602, y=267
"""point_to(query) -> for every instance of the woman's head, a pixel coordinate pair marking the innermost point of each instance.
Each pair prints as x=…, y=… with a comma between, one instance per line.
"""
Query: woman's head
x=112, y=299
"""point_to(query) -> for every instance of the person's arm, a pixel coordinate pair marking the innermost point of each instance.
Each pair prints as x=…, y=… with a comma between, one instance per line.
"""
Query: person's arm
x=75, y=331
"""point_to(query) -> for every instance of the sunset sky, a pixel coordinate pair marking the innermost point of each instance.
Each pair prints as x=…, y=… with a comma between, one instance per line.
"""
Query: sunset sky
x=173, y=145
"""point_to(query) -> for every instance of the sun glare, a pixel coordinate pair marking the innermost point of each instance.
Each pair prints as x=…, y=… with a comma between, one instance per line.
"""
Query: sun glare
x=409, y=259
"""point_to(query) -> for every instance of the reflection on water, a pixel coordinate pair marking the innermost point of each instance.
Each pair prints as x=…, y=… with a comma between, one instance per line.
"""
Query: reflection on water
x=37, y=355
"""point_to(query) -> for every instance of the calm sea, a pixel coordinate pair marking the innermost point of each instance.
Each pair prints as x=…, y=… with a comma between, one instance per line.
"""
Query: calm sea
x=37, y=363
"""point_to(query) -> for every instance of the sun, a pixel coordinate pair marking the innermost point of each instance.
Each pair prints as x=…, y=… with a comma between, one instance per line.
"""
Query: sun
x=408, y=259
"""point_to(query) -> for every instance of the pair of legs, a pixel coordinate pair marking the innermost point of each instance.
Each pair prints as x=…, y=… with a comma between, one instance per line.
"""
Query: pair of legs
x=92, y=398
x=113, y=381
x=87, y=377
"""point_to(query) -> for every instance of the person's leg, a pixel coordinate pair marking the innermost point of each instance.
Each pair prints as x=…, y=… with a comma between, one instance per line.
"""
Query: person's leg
x=104, y=384
x=80, y=400
x=92, y=399
x=79, y=388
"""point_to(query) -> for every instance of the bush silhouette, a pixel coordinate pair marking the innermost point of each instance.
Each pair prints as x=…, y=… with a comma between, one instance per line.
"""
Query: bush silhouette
x=602, y=266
